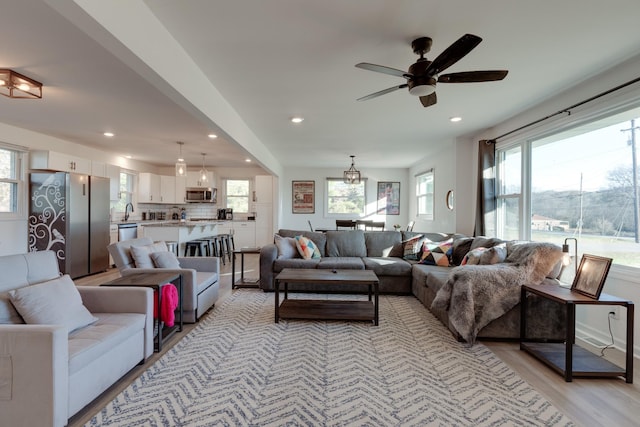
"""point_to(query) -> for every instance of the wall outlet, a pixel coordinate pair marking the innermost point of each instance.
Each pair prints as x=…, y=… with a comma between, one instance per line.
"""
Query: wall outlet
x=614, y=313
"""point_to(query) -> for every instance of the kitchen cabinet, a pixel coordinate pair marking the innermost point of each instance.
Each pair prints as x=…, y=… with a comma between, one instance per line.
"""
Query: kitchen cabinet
x=194, y=180
x=99, y=169
x=244, y=234
x=113, y=238
x=113, y=173
x=181, y=187
x=52, y=160
x=148, y=188
x=263, y=208
x=154, y=188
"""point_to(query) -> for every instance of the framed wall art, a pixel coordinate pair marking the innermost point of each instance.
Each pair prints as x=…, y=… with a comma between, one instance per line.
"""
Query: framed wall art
x=389, y=198
x=591, y=275
x=303, y=197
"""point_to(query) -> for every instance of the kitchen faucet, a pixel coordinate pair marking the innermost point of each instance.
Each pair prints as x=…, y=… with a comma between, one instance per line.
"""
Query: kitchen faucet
x=126, y=210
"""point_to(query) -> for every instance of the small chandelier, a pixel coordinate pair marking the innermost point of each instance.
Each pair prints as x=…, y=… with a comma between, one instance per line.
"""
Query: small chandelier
x=181, y=166
x=15, y=85
x=352, y=176
x=203, y=172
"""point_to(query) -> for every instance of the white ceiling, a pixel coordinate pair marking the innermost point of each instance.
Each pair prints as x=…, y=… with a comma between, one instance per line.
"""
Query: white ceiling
x=271, y=60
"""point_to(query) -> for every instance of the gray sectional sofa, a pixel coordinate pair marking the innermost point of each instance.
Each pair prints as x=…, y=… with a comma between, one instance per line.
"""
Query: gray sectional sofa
x=382, y=252
x=51, y=370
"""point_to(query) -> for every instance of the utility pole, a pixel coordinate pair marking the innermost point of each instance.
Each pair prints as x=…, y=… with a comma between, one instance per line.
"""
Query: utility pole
x=632, y=142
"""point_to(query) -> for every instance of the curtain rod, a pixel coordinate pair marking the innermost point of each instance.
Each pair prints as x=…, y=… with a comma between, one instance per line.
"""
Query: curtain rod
x=568, y=109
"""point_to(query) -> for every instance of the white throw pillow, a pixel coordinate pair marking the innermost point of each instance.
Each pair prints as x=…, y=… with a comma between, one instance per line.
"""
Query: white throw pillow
x=165, y=260
x=55, y=302
x=142, y=254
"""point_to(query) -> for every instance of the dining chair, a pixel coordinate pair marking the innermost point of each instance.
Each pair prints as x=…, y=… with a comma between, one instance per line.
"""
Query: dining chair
x=345, y=223
x=410, y=225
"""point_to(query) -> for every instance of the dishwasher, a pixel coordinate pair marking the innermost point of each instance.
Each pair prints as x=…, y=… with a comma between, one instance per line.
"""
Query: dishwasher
x=127, y=231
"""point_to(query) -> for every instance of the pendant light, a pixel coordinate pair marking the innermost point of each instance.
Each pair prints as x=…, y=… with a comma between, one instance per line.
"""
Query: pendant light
x=352, y=176
x=203, y=172
x=181, y=166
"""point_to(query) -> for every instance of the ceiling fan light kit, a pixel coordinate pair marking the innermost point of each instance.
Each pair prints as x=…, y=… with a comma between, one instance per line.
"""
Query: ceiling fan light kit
x=16, y=85
x=352, y=175
x=423, y=75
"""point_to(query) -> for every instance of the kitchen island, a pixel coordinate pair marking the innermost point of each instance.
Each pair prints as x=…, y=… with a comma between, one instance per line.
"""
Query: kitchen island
x=181, y=231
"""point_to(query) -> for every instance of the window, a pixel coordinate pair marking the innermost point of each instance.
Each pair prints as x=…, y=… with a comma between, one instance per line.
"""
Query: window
x=126, y=191
x=10, y=181
x=237, y=193
x=345, y=199
x=578, y=183
x=424, y=194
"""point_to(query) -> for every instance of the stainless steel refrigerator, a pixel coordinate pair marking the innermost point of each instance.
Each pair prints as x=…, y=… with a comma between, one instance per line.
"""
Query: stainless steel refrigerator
x=69, y=214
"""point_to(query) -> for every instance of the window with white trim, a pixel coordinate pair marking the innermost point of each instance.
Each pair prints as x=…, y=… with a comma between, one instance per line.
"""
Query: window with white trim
x=424, y=194
x=126, y=191
x=578, y=182
x=345, y=199
x=237, y=194
x=10, y=181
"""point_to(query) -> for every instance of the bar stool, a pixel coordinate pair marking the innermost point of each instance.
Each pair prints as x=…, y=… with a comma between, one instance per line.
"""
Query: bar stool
x=223, y=247
x=173, y=247
x=195, y=248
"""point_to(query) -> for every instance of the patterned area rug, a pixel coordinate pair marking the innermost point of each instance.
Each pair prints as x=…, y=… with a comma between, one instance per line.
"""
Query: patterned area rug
x=239, y=368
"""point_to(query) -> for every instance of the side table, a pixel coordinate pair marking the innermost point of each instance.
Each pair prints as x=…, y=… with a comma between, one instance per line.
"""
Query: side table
x=156, y=281
x=567, y=358
x=243, y=283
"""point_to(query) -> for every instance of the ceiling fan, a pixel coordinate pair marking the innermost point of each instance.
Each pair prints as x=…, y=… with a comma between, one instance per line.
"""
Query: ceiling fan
x=423, y=75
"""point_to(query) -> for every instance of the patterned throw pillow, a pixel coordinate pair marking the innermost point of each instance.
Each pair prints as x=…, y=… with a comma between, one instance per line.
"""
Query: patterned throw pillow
x=307, y=248
x=437, y=253
x=411, y=247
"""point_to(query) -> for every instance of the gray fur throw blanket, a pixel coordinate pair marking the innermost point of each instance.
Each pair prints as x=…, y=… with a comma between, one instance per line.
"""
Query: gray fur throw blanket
x=474, y=295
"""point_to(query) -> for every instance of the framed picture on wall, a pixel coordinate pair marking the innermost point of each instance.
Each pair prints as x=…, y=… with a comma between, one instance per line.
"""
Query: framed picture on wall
x=303, y=197
x=389, y=198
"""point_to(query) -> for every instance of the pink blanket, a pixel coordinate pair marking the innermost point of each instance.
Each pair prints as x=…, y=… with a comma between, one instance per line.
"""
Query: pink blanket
x=168, y=305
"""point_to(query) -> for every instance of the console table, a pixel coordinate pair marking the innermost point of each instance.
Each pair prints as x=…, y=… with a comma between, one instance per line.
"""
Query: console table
x=155, y=281
x=567, y=358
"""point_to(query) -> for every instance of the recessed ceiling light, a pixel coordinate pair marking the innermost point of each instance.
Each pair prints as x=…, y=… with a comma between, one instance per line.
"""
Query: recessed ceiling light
x=247, y=160
x=212, y=136
x=297, y=119
x=455, y=119
x=128, y=156
x=109, y=134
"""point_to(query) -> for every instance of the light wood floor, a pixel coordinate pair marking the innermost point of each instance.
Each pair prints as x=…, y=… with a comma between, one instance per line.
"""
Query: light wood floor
x=589, y=402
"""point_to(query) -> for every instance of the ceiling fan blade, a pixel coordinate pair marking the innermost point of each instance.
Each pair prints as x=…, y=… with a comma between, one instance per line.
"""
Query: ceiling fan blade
x=473, y=76
x=453, y=54
x=383, y=69
x=429, y=100
x=382, y=92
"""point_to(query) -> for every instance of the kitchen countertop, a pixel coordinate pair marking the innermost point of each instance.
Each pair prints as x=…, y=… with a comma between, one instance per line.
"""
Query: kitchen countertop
x=174, y=223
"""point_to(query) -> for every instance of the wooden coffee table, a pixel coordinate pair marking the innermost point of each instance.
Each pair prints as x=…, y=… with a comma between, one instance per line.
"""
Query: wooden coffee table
x=327, y=309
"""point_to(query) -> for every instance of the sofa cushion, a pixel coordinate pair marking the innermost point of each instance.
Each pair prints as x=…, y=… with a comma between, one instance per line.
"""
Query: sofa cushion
x=436, y=253
x=320, y=239
x=55, y=302
x=286, y=246
x=204, y=279
x=142, y=254
x=307, y=248
x=381, y=243
x=344, y=263
x=385, y=266
x=8, y=313
x=110, y=329
x=282, y=263
x=165, y=260
x=346, y=243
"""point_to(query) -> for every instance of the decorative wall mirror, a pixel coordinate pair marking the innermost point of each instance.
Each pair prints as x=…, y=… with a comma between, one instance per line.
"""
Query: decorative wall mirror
x=449, y=200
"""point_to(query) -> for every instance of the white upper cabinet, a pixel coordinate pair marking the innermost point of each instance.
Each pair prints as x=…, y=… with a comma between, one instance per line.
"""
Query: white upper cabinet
x=113, y=173
x=148, y=188
x=51, y=160
x=154, y=188
x=195, y=180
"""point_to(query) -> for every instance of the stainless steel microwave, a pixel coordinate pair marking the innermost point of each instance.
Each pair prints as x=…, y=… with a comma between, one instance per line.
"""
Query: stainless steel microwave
x=200, y=195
